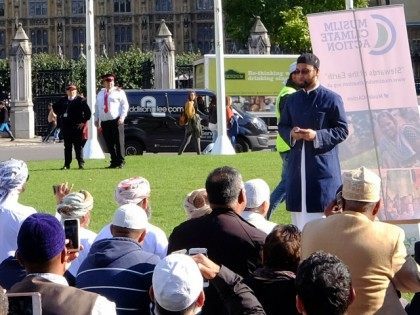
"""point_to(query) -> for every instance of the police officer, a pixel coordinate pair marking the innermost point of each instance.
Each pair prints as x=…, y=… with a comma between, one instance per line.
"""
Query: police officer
x=74, y=112
x=110, y=111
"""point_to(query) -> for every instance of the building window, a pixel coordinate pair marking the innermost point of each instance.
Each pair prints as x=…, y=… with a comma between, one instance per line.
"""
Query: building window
x=163, y=5
x=205, y=37
x=39, y=39
x=2, y=44
x=122, y=6
x=205, y=4
x=78, y=7
x=1, y=7
x=38, y=7
x=123, y=38
x=78, y=37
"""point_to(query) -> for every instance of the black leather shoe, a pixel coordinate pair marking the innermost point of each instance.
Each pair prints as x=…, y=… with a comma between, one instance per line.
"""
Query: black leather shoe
x=81, y=167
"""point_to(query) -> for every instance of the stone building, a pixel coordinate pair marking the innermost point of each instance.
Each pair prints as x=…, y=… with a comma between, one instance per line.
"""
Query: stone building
x=58, y=26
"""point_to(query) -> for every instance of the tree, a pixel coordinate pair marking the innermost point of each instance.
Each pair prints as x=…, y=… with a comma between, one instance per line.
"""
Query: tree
x=285, y=20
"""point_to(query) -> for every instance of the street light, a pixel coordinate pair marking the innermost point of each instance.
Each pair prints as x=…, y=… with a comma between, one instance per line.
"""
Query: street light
x=222, y=144
x=92, y=149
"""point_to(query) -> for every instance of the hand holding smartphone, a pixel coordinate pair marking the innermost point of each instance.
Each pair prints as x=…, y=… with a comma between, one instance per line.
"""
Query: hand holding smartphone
x=24, y=303
x=55, y=189
x=71, y=230
x=199, y=250
x=417, y=252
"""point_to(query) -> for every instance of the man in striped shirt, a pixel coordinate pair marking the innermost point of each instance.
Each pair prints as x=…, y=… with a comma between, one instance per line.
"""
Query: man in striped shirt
x=118, y=268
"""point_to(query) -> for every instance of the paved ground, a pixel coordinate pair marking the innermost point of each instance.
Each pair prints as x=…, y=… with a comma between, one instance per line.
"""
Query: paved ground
x=5, y=142
x=30, y=149
x=35, y=150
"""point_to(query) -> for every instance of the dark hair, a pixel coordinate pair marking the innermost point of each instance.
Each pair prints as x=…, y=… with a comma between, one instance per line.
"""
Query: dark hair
x=159, y=310
x=323, y=283
x=223, y=185
x=282, y=249
x=4, y=302
x=119, y=231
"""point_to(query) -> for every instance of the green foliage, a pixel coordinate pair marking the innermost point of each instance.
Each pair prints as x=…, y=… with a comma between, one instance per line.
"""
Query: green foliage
x=127, y=66
x=186, y=58
x=294, y=33
x=48, y=62
x=4, y=65
x=281, y=18
x=167, y=176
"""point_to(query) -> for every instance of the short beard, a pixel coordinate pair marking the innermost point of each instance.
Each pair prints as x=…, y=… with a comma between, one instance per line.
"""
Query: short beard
x=148, y=212
x=304, y=84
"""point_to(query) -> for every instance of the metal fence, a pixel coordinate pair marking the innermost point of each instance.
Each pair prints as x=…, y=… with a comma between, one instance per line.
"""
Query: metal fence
x=48, y=86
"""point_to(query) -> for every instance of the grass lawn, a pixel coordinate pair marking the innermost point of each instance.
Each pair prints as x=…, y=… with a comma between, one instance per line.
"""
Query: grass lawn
x=171, y=177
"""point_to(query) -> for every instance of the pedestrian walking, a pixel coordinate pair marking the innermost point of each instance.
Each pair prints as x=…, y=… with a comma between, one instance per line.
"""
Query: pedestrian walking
x=52, y=124
x=193, y=128
x=4, y=120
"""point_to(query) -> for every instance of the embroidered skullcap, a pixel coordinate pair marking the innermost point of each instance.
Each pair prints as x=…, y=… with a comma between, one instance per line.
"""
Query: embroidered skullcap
x=309, y=59
x=196, y=204
x=361, y=185
x=177, y=282
x=75, y=205
x=40, y=238
x=132, y=190
x=13, y=175
x=257, y=191
x=130, y=216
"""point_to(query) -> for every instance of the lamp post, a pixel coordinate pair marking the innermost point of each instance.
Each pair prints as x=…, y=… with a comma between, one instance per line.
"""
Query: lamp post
x=222, y=146
x=92, y=149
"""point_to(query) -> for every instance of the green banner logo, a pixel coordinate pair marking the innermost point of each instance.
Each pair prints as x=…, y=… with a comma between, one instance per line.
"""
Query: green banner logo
x=234, y=75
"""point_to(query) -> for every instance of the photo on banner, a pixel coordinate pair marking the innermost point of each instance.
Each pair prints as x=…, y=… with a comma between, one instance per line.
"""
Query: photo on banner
x=365, y=58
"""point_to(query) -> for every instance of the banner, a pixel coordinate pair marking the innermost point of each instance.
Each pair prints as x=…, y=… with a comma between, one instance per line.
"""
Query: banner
x=250, y=75
x=365, y=58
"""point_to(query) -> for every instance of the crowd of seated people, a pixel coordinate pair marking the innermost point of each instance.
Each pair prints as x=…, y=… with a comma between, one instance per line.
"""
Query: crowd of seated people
x=345, y=263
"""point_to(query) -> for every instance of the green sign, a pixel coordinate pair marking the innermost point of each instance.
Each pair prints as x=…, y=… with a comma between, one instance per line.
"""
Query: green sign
x=251, y=75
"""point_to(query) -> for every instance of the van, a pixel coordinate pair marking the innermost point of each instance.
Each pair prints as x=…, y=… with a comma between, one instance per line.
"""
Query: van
x=152, y=123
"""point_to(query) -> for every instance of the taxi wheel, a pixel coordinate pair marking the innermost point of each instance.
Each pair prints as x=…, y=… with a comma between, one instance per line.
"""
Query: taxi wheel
x=241, y=146
x=133, y=147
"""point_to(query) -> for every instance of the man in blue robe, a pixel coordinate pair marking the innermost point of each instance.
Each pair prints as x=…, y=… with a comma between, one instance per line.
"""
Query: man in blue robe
x=312, y=122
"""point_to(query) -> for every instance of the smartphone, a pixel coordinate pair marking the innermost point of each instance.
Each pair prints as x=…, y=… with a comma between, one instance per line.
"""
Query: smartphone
x=199, y=250
x=55, y=189
x=417, y=252
x=24, y=303
x=71, y=230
